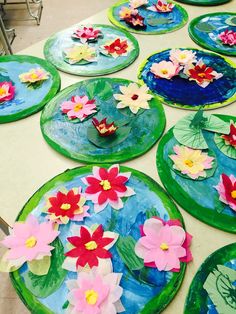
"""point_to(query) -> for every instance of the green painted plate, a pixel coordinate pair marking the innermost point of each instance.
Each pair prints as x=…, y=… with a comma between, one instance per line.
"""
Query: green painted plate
x=204, y=2
x=27, y=99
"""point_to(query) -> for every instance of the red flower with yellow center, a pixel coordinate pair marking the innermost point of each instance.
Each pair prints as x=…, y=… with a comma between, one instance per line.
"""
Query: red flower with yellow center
x=201, y=73
x=7, y=91
x=230, y=139
x=117, y=47
x=104, y=128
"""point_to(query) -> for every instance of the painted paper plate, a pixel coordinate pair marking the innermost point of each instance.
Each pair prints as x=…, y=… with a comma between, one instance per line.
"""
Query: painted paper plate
x=204, y=2
x=190, y=78
x=215, y=31
x=148, y=16
x=91, y=50
x=113, y=277
x=196, y=162
x=79, y=139
x=213, y=287
x=26, y=84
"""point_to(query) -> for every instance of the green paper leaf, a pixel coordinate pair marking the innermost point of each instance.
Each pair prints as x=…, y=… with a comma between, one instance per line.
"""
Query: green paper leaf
x=99, y=88
x=90, y=88
x=205, y=27
x=40, y=267
x=155, y=21
x=43, y=286
x=216, y=125
x=65, y=305
x=151, y=213
x=107, y=92
x=218, y=205
x=228, y=150
x=125, y=247
x=231, y=21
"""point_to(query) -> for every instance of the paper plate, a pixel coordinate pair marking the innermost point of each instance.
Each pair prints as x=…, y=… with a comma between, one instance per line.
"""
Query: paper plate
x=204, y=2
x=27, y=98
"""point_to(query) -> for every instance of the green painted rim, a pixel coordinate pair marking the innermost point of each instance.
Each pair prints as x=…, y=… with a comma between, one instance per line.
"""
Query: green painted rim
x=199, y=41
x=129, y=29
x=220, y=221
x=177, y=105
x=53, y=91
x=196, y=300
x=204, y=2
x=116, y=157
x=159, y=302
x=132, y=57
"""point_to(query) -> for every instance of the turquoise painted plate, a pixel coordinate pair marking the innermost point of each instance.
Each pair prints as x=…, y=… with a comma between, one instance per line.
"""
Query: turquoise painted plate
x=56, y=45
x=204, y=2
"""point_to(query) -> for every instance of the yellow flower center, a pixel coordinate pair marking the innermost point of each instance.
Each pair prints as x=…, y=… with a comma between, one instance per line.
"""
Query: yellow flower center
x=105, y=184
x=2, y=91
x=164, y=71
x=34, y=76
x=80, y=211
x=202, y=75
x=188, y=162
x=91, y=245
x=233, y=194
x=78, y=107
x=30, y=242
x=91, y=296
x=182, y=56
x=65, y=206
x=164, y=246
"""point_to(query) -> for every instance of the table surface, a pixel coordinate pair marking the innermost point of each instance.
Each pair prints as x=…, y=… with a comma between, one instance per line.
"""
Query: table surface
x=27, y=162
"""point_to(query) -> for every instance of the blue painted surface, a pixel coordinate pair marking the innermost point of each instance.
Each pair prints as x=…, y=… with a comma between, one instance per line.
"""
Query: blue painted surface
x=24, y=97
x=128, y=220
x=185, y=92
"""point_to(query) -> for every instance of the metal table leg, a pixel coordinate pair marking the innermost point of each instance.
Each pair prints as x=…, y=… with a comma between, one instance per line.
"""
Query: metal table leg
x=4, y=38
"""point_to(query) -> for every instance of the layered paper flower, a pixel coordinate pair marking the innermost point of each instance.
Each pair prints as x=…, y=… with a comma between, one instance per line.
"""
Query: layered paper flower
x=80, y=53
x=104, y=128
x=182, y=57
x=163, y=244
x=137, y=3
x=230, y=139
x=89, y=248
x=133, y=96
x=67, y=206
x=227, y=190
x=136, y=21
x=165, y=69
x=79, y=107
x=29, y=241
x=86, y=34
x=116, y=48
x=201, y=73
x=191, y=162
x=228, y=37
x=107, y=187
x=34, y=75
x=162, y=7
x=92, y=293
x=7, y=91
x=126, y=12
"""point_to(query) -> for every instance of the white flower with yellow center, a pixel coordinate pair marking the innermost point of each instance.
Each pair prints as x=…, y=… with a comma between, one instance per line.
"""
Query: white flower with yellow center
x=182, y=57
x=78, y=53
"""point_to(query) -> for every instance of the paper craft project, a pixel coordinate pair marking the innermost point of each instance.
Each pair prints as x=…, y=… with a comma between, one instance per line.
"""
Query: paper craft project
x=91, y=50
x=204, y=2
x=213, y=287
x=26, y=85
x=196, y=163
x=84, y=243
x=103, y=120
x=190, y=78
x=148, y=16
x=215, y=31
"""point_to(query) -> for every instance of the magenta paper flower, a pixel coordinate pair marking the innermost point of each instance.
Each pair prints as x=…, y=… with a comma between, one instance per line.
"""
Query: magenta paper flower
x=227, y=190
x=93, y=293
x=7, y=91
x=107, y=187
x=228, y=37
x=162, y=7
x=163, y=244
x=29, y=241
x=85, y=34
x=79, y=107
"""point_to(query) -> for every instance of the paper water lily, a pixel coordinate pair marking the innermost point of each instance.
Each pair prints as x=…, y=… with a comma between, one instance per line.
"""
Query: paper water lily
x=7, y=91
x=80, y=53
x=165, y=69
x=230, y=139
x=136, y=21
x=163, y=245
x=79, y=107
x=201, y=73
x=104, y=128
x=107, y=187
x=191, y=162
x=92, y=293
x=29, y=241
x=228, y=37
x=162, y=7
x=86, y=34
x=116, y=48
x=182, y=57
x=34, y=75
x=126, y=12
x=133, y=96
x=67, y=206
x=137, y=3
x=227, y=190
x=89, y=248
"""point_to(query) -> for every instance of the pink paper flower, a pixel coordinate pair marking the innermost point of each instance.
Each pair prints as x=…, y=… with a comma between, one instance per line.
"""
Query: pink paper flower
x=227, y=190
x=161, y=7
x=134, y=4
x=107, y=187
x=163, y=244
x=85, y=34
x=79, y=107
x=34, y=75
x=29, y=241
x=228, y=37
x=182, y=57
x=7, y=91
x=126, y=13
x=92, y=293
x=165, y=69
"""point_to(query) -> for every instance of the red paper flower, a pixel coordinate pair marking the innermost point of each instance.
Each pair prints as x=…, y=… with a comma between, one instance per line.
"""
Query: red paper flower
x=230, y=139
x=227, y=190
x=7, y=91
x=117, y=47
x=103, y=128
x=89, y=247
x=135, y=21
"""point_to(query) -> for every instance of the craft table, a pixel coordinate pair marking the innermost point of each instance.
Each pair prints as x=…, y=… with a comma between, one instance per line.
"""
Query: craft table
x=27, y=162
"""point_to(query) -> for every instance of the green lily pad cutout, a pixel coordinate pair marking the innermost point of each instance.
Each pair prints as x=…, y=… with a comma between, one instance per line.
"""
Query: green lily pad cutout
x=188, y=131
x=231, y=21
x=205, y=27
x=43, y=286
x=78, y=120
x=228, y=150
x=155, y=21
x=100, y=88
